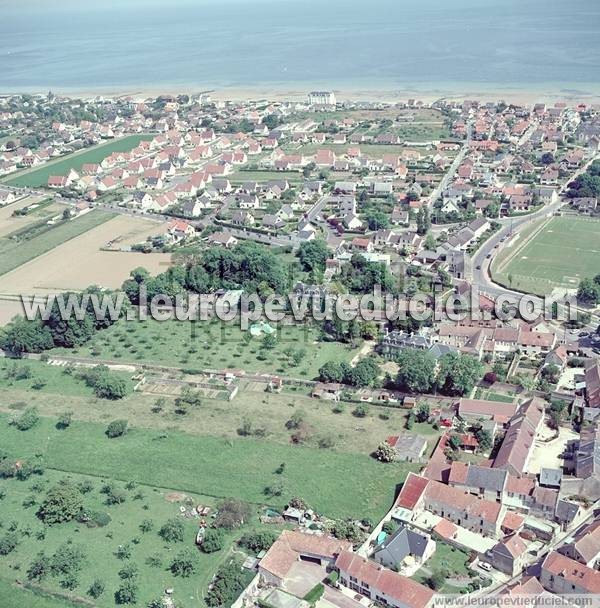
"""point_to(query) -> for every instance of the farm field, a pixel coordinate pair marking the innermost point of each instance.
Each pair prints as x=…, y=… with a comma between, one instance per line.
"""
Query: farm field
x=214, y=345
x=37, y=240
x=10, y=223
x=119, y=525
x=38, y=176
x=53, y=389
x=80, y=241
x=336, y=484
x=554, y=254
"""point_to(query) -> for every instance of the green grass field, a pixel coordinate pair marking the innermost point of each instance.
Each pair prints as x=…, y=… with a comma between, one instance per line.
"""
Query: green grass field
x=563, y=252
x=100, y=544
x=36, y=240
x=61, y=166
x=334, y=483
x=212, y=345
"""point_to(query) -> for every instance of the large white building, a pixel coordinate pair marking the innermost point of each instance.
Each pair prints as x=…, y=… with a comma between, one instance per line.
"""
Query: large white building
x=321, y=98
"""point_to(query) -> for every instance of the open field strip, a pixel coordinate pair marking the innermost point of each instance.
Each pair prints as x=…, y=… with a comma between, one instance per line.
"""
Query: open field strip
x=15, y=252
x=38, y=176
x=74, y=257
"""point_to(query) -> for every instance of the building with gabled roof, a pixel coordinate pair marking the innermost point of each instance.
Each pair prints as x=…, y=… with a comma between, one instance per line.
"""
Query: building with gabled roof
x=563, y=575
x=380, y=584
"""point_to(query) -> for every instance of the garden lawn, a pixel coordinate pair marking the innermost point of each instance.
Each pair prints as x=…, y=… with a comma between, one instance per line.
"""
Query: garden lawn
x=17, y=251
x=61, y=166
x=101, y=543
x=213, y=345
x=334, y=483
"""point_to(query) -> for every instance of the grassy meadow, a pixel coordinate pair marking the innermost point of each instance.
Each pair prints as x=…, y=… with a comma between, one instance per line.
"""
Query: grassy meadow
x=38, y=176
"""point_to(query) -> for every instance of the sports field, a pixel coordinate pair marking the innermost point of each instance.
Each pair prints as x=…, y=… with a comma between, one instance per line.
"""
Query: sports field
x=33, y=178
x=555, y=254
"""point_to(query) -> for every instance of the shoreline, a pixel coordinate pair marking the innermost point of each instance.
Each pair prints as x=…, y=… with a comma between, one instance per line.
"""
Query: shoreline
x=584, y=93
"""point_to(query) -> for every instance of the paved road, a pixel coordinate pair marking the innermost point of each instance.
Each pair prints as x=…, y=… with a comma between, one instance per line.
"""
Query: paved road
x=449, y=175
x=511, y=226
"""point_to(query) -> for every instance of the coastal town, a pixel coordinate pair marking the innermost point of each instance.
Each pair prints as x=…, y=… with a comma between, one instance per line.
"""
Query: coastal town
x=388, y=461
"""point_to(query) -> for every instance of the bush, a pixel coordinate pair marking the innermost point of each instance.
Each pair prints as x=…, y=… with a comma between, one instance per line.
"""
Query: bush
x=213, y=541
x=27, y=420
x=361, y=410
x=184, y=563
x=62, y=503
x=258, y=541
x=8, y=543
x=96, y=589
x=232, y=513
x=172, y=531
x=117, y=428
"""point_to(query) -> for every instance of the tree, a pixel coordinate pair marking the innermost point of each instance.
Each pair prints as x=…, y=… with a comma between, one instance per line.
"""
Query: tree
x=331, y=371
x=109, y=386
x=430, y=242
x=423, y=221
x=64, y=420
x=458, y=374
x=258, y=540
x=8, y=543
x=127, y=593
x=232, y=513
x=416, y=370
x=377, y=220
x=27, y=420
x=184, y=563
x=423, y=412
x=213, y=540
x=547, y=158
x=313, y=255
x=227, y=585
x=551, y=373
x=385, y=452
x=117, y=428
x=361, y=410
x=23, y=336
x=172, y=530
x=588, y=292
x=96, y=589
x=364, y=373
x=437, y=580
x=484, y=438
x=39, y=568
x=63, y=503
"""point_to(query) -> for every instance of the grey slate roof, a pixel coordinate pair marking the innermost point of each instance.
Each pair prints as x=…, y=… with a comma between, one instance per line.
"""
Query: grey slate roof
x=401, y=544
x=493, y=480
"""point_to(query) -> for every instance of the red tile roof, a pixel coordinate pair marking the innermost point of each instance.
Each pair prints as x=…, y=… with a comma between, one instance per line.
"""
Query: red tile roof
x=411, y=491
x=394, y=585
x=572, y=571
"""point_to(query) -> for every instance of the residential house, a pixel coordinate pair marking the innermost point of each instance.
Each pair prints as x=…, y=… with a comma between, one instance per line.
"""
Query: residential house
x=508, y=555
x=518, y=443
x=224, y=239
x=404, y=543
x=563, y=575
x=380, y=584
x=408, y=447
x=292, y=547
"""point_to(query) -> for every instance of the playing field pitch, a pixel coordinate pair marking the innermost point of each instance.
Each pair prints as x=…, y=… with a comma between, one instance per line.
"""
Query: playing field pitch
x=559, y=255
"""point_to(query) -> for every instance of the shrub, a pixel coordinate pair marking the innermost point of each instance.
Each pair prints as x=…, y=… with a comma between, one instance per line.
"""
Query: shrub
x=27, y=420
x=96, y=589
x=213, y=540
x=117, y=428
x=172, y=531
x=62, y=503
x=184, y=563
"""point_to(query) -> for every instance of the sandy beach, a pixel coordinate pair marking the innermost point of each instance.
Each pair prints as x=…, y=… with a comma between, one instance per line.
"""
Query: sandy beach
x=580, y=93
